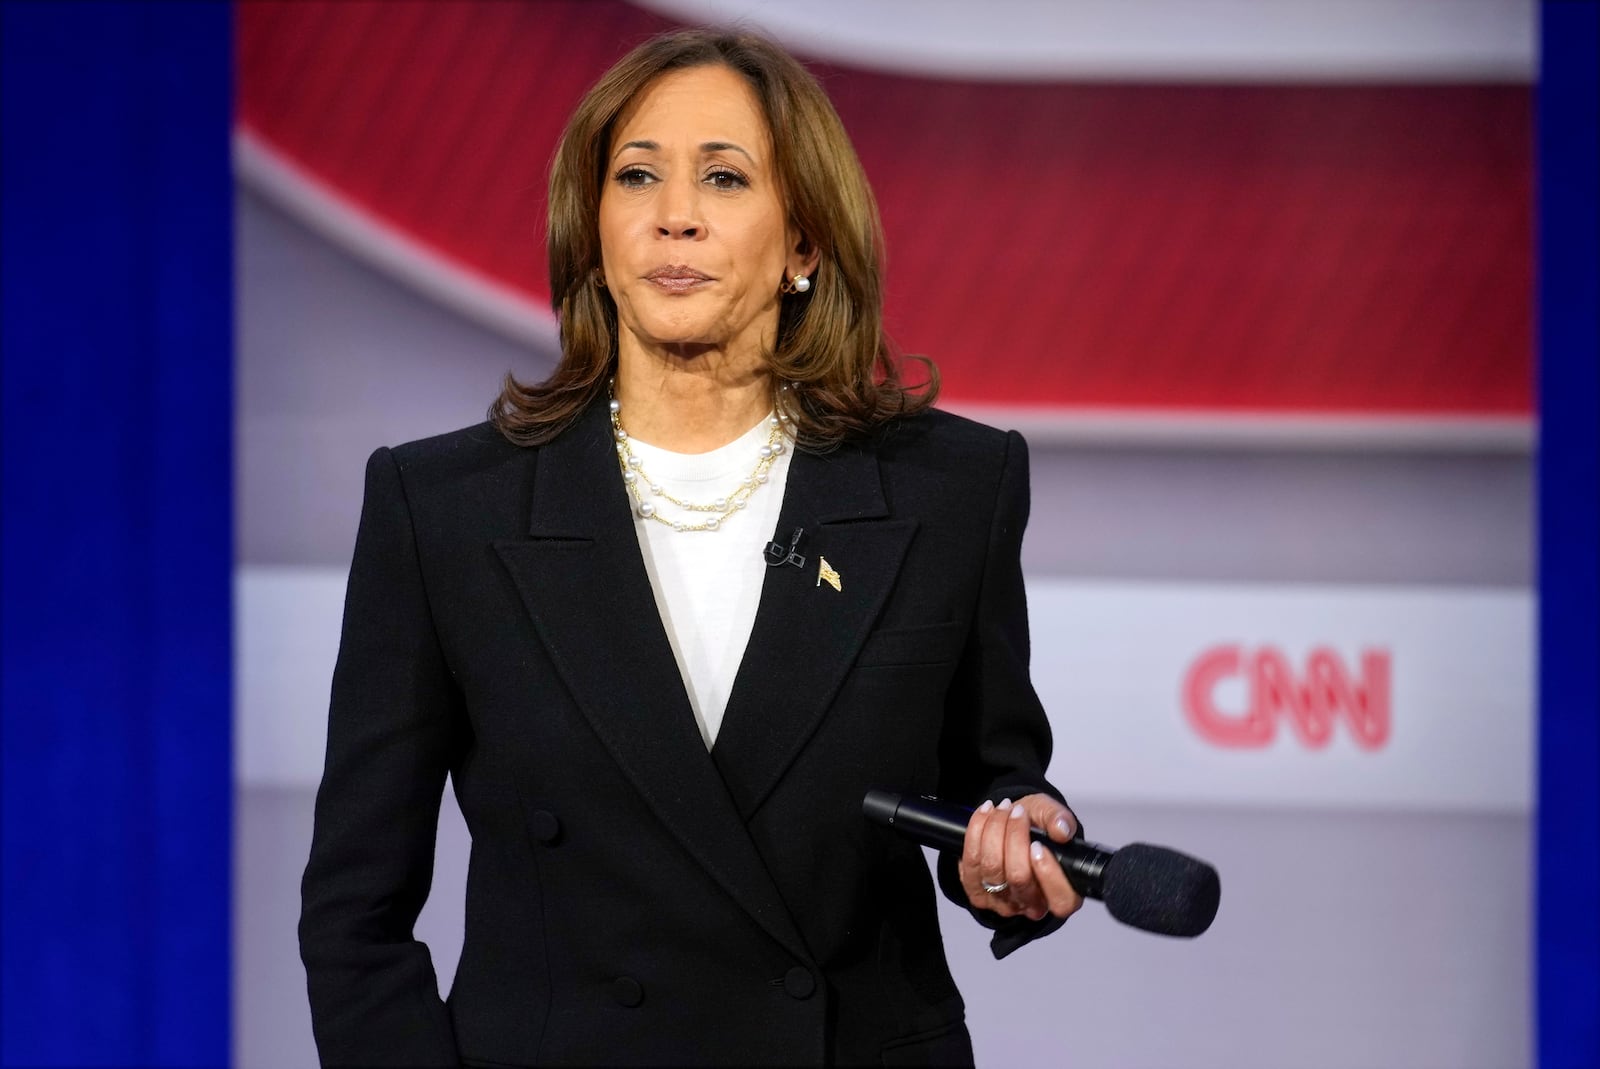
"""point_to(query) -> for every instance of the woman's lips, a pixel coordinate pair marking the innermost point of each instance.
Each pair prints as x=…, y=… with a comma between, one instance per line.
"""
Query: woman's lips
x=677, y=279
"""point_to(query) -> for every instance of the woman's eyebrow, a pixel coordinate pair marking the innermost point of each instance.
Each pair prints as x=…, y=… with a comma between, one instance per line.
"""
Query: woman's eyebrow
x=726, y=146
x=705, y=147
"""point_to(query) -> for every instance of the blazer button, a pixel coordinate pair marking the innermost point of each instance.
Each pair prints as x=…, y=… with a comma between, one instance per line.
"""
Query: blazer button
x=545, y=826
x=799, y=983
x=627, y=992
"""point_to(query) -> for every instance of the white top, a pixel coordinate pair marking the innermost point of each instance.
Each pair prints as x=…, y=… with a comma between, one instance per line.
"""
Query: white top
x=708, y=583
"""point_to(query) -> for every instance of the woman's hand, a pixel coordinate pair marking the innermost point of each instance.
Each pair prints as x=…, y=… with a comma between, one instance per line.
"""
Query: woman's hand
x=1003, y=870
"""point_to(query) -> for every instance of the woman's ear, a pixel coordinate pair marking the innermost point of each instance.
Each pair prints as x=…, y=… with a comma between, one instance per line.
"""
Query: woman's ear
x=805, y=257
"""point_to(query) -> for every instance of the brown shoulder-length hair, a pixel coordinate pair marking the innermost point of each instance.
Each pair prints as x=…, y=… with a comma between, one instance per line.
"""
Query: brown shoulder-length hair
x=842, y=373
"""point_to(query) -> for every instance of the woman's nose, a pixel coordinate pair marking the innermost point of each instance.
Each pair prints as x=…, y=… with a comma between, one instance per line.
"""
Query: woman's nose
x=679, y=207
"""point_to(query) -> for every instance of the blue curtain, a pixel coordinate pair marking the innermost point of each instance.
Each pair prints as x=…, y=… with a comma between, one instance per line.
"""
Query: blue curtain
x=116, y=334
x=1568, y=892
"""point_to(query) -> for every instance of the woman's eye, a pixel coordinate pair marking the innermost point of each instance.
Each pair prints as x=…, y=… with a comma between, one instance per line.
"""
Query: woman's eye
x=634, y=177
x=723, y=178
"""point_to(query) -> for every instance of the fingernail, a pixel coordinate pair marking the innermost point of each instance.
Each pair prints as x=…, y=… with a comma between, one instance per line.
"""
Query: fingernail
x=1018, y=813
x=1005, y=803
x=986, y=806
x=1066, y=828
x=1037, y=850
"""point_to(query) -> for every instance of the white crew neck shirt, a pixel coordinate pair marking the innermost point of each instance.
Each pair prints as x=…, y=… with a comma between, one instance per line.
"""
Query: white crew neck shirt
x=708, y=583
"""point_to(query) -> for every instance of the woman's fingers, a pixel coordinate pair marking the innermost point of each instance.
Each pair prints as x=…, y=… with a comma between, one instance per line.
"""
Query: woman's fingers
x=1055, y=894
x=999, y=852
x=992, y=849
x=1021, y=893
x=1047, y=813
x=1045, y=889
x=1060, y=897
x=972, y=856
x=983, y=858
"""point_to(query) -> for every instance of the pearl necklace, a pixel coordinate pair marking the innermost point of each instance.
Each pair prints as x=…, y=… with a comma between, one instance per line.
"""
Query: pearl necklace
x=634, y=476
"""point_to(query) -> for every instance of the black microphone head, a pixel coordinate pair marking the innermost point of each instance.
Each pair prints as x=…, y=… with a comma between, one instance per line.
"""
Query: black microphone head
x=1161, y=890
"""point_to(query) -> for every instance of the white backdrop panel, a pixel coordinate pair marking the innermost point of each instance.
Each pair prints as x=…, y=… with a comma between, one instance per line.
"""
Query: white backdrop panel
x=286, y=638
x=1112, y=660
x=1111, y=663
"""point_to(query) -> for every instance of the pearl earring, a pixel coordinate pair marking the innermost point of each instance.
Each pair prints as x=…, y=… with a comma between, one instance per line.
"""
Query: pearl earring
x=801, y=283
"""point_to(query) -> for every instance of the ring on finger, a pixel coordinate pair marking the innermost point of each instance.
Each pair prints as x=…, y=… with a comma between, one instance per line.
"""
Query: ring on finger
x=995, y=888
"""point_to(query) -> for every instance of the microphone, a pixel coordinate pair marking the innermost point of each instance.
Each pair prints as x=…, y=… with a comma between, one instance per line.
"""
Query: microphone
x=776, y=554
x=1147, y=887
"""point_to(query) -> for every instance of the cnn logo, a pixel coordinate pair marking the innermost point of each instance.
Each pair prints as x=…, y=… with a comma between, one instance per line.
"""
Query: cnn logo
x=1310, y=700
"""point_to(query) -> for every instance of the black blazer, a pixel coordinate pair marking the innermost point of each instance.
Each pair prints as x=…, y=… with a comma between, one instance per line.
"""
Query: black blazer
x=631, y=898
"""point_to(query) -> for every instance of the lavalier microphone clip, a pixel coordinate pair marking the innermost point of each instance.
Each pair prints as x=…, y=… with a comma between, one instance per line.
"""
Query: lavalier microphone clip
x=776, y=554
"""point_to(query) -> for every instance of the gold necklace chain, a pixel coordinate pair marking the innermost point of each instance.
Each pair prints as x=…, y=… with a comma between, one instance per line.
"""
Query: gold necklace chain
x=634, y=476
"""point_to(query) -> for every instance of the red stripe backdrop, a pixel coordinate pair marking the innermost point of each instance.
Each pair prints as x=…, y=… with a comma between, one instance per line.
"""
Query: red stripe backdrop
x=1361, y=249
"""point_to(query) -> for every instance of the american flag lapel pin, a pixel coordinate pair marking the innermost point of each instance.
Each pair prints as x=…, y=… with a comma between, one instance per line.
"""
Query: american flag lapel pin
x=826, y=574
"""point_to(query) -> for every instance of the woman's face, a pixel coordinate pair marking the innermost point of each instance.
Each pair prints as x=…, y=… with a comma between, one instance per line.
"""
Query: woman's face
x=694, y=237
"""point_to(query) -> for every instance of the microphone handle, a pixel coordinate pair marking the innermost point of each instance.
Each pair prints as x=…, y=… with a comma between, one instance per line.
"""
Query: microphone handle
x=944, y=827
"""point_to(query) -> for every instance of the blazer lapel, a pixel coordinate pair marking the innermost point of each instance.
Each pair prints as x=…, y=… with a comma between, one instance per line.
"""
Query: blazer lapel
x=582, y=579
x=806, y=633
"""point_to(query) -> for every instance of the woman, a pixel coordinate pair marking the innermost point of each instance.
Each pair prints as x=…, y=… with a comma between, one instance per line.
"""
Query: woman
x=659, y=726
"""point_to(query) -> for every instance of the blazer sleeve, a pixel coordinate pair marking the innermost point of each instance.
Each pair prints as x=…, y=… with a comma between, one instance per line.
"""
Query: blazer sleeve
x=997, y=738
x=394, y=728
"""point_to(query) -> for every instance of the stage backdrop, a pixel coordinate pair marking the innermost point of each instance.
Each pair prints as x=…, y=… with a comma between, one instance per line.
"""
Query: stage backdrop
x=1254, y=278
